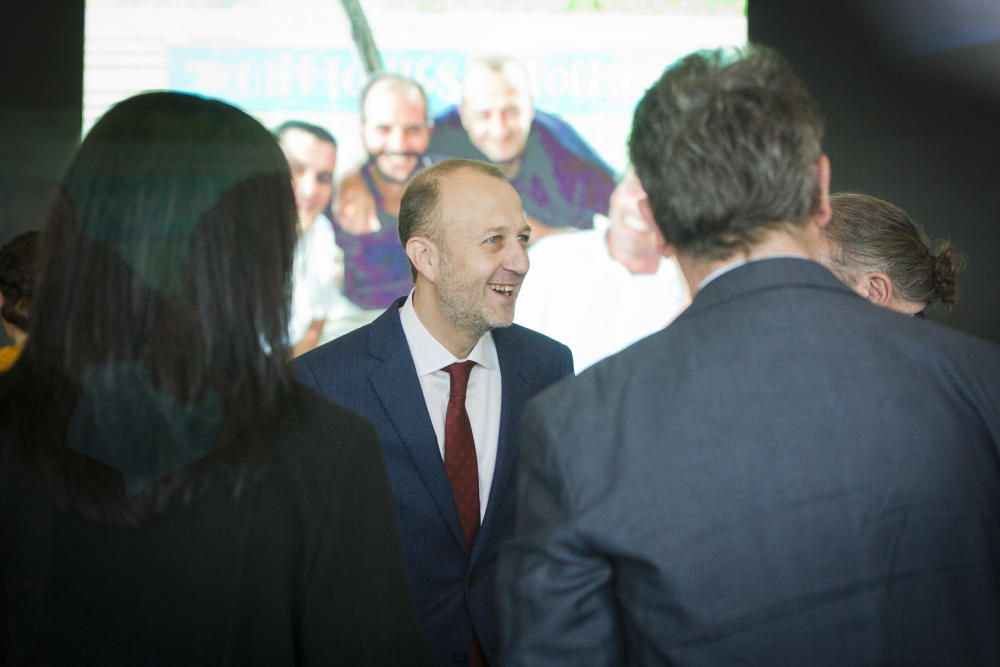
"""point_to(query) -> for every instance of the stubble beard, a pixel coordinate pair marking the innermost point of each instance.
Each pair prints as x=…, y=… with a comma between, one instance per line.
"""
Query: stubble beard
x=458, y=304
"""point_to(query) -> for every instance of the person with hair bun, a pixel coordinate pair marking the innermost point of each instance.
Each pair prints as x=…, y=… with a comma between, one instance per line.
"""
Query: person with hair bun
x=874, y=247
x=17, y=279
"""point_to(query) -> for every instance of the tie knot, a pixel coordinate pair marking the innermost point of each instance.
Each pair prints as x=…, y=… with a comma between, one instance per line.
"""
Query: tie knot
x=459, y=372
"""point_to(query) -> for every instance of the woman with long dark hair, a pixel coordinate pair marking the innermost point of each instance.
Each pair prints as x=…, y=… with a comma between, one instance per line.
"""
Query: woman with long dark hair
x=168, y=494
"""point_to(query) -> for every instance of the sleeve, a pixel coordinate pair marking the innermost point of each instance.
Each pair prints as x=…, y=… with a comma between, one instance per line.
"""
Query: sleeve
x=357, y=606
x=555, y=596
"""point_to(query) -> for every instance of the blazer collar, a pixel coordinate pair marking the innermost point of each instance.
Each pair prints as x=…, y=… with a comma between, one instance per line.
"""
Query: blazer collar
x=513, y=395
x=396, y=384
x=386, y=332
x=766, y=274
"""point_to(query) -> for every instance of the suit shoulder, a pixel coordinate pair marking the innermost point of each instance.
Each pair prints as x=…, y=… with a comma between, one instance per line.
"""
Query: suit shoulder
x=333, y=368
x=975, y=356
x=350, y=344
x=310, y=408
x=532, y=341
x=546, y=359
x=317, y=430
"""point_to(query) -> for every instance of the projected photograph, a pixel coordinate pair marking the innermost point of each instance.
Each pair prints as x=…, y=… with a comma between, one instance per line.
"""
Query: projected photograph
x=545, y=90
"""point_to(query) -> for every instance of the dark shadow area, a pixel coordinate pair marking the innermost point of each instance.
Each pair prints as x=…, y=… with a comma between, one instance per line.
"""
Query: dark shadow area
x=41, y=107
x=917, y=130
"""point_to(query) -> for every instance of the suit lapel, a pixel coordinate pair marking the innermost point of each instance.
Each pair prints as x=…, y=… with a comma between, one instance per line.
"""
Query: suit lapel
x=513, y=395
x=397, y=387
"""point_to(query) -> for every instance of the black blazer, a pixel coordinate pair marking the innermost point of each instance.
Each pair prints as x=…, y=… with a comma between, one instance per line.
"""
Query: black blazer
x=371, y=371
x=305, y=568
x=787, y=475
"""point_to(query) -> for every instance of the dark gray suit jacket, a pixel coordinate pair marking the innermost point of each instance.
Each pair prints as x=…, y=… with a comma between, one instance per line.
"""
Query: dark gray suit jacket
x=786, y=475
x=371, y=372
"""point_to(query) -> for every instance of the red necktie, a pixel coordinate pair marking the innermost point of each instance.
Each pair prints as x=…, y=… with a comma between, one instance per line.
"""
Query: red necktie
x=460, y=453
x=463, y=469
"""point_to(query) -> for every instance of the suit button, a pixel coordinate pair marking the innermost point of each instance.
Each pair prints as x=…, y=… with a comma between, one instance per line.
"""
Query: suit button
x=460, y=657
x=472, y=580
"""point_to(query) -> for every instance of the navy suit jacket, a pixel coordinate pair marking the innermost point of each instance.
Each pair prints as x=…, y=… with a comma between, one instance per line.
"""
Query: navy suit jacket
x=371, y=371
x=786, y=475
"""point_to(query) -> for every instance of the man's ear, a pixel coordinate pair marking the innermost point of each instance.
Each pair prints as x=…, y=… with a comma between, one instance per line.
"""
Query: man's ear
x=877, y=288
x=424, y=256
x=666, y=249
x=821, y=216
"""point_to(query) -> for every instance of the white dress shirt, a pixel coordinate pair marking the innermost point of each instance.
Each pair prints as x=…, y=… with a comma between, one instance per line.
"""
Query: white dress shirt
x=314, y=277
x=482, y=398
x=617, y=308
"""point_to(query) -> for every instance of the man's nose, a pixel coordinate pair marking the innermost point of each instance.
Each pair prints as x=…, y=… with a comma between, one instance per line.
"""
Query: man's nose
x=516, y=259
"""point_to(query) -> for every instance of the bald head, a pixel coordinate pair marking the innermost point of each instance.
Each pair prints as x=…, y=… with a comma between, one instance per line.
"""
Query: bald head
x=497, y=109
x=419, y=211
x=466, y=237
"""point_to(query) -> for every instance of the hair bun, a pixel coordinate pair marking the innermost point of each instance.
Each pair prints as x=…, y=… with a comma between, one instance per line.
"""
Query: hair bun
x=945, y=266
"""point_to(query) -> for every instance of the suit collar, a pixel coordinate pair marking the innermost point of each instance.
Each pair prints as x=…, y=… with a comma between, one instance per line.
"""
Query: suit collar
x=398, y=388
x=513, y=396
x=396, y=384
x=766, y=274
x=386, y=332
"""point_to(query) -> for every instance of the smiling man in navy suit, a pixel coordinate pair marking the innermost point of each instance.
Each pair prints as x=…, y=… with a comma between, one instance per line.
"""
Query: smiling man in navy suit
x=444, y=376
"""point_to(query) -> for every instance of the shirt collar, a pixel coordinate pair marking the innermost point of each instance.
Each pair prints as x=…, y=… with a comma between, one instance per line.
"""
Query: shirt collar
x=735, y=264
x=429, y=355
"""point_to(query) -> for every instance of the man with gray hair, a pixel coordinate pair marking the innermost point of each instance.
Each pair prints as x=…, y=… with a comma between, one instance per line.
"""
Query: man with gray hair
x=877, y=250
x=786, y=475
x=561, y=179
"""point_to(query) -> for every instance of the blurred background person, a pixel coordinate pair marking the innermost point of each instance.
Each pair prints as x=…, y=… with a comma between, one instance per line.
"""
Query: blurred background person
x=168, y=495
x=18, y=265
x=562, y=181
x=879, y=252
x=395, y=132
x=311, y=152
x=600, y=290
